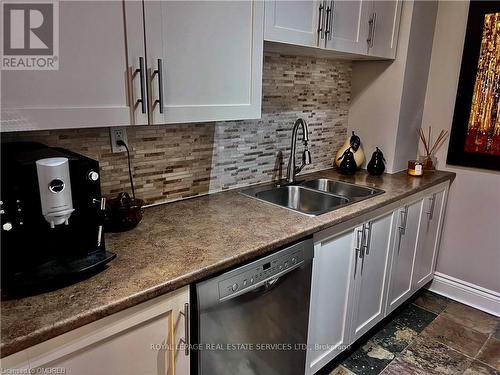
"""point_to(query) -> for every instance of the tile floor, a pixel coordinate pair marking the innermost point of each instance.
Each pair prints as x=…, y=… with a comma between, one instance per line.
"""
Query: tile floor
x=429, y=335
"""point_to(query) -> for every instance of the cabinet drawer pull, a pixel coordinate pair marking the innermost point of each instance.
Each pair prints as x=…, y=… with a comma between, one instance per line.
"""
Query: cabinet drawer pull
x=159, y=73
x=374, y=29
x=142, y=71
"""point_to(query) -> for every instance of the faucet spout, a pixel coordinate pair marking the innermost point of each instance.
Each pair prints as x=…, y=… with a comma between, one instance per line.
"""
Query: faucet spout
x=292, y=169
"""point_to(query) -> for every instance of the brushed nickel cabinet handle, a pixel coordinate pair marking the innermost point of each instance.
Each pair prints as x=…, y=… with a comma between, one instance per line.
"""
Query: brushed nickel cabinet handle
x=432, y=201
x=327, y=25
x=403, y=219
x=159, y=73
x=374, y=28
x=368, y=236
x=400, y=235
x=321, y=34
x=142, y=71
x=185, y=340
x=186, y=328
x=332, y=14
x=359, y=243
x=369, y=39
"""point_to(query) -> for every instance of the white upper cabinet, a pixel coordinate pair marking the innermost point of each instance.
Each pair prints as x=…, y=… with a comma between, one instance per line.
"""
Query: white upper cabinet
x=383, y=28
x=294, y=22
x=361, y=28
x=116, y=56
x=92, y=86
x=204, y=60
x=348, y=28
x=429, y=236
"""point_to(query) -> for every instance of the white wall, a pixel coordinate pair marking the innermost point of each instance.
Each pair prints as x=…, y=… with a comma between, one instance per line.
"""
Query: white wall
x=470, y=245
x=415, y=82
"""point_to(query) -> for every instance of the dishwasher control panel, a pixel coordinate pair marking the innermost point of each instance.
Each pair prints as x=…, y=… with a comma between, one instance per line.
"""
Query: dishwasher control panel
x=262, y=271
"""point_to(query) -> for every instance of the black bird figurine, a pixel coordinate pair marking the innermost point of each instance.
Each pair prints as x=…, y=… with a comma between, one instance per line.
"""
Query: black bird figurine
x=376, y=165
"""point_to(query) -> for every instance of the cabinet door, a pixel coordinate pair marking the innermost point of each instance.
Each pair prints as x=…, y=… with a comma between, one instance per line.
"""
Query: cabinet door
x=145, y=339
x=99, y=45
x=403, y=254
x=206, y=59
x=329, y=315
x=293, y=22
x=369, y=302
x=349, y=26
x=386, y=16
x=428, y=238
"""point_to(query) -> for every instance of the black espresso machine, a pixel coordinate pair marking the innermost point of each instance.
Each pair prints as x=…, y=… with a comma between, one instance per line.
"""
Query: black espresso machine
x=52, y=216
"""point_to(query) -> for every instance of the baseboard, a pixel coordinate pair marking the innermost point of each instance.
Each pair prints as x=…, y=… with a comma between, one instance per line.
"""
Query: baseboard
x=466, y=293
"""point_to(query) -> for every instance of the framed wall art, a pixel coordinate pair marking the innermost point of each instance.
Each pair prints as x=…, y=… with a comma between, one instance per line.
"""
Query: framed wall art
x=475, y=133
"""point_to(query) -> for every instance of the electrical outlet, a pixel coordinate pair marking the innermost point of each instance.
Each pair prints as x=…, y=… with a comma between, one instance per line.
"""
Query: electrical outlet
x=117, y=134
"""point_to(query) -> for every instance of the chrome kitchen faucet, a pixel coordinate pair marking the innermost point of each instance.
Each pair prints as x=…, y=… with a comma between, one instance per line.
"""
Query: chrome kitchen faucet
x=292, y=169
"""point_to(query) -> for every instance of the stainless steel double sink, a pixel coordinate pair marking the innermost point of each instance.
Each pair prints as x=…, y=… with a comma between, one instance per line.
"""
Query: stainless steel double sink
x=313, y=197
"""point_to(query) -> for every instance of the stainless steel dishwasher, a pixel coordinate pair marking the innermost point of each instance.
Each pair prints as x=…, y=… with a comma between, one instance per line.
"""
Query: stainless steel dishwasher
x=253, y=320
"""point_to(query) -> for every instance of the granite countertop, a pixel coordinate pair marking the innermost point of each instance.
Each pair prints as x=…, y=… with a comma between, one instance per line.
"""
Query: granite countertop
x=179, y=243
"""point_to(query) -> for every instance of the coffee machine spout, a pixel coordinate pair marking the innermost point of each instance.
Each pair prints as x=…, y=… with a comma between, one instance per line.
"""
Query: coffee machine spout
x=61, y=217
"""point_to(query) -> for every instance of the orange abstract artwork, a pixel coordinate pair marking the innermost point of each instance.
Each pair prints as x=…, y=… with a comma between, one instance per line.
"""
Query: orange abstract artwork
x=483, y=131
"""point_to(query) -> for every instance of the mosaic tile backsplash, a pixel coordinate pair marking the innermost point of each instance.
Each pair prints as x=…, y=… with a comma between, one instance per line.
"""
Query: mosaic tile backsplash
x=172, y=162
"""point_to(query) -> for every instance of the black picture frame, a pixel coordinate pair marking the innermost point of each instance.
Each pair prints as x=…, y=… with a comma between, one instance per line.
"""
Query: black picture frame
x=470, y=57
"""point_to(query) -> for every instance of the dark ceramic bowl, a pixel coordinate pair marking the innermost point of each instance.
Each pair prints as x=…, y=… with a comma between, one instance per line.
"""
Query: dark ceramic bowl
x=123, y=213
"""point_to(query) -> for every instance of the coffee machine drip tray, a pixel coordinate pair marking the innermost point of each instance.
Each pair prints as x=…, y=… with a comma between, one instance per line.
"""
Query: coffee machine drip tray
x=56, y=273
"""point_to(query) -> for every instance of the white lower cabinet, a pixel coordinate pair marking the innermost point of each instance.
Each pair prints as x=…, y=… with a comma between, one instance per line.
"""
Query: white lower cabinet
x=429, y=237
x=416, y=244
x=405, y=245
x=347, y=295
x=145, y=339
x=362, y=272
x=368, y=306
x=333, y=265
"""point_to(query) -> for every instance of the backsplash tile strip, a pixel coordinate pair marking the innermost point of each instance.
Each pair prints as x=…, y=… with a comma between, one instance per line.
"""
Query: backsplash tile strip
x=178, y=161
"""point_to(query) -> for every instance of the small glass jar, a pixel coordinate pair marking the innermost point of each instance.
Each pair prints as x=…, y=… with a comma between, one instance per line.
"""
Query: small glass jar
x=428, y=161
x=415, y=168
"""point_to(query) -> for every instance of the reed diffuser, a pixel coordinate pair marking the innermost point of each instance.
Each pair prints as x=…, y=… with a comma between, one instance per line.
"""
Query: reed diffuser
x=429, y=160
